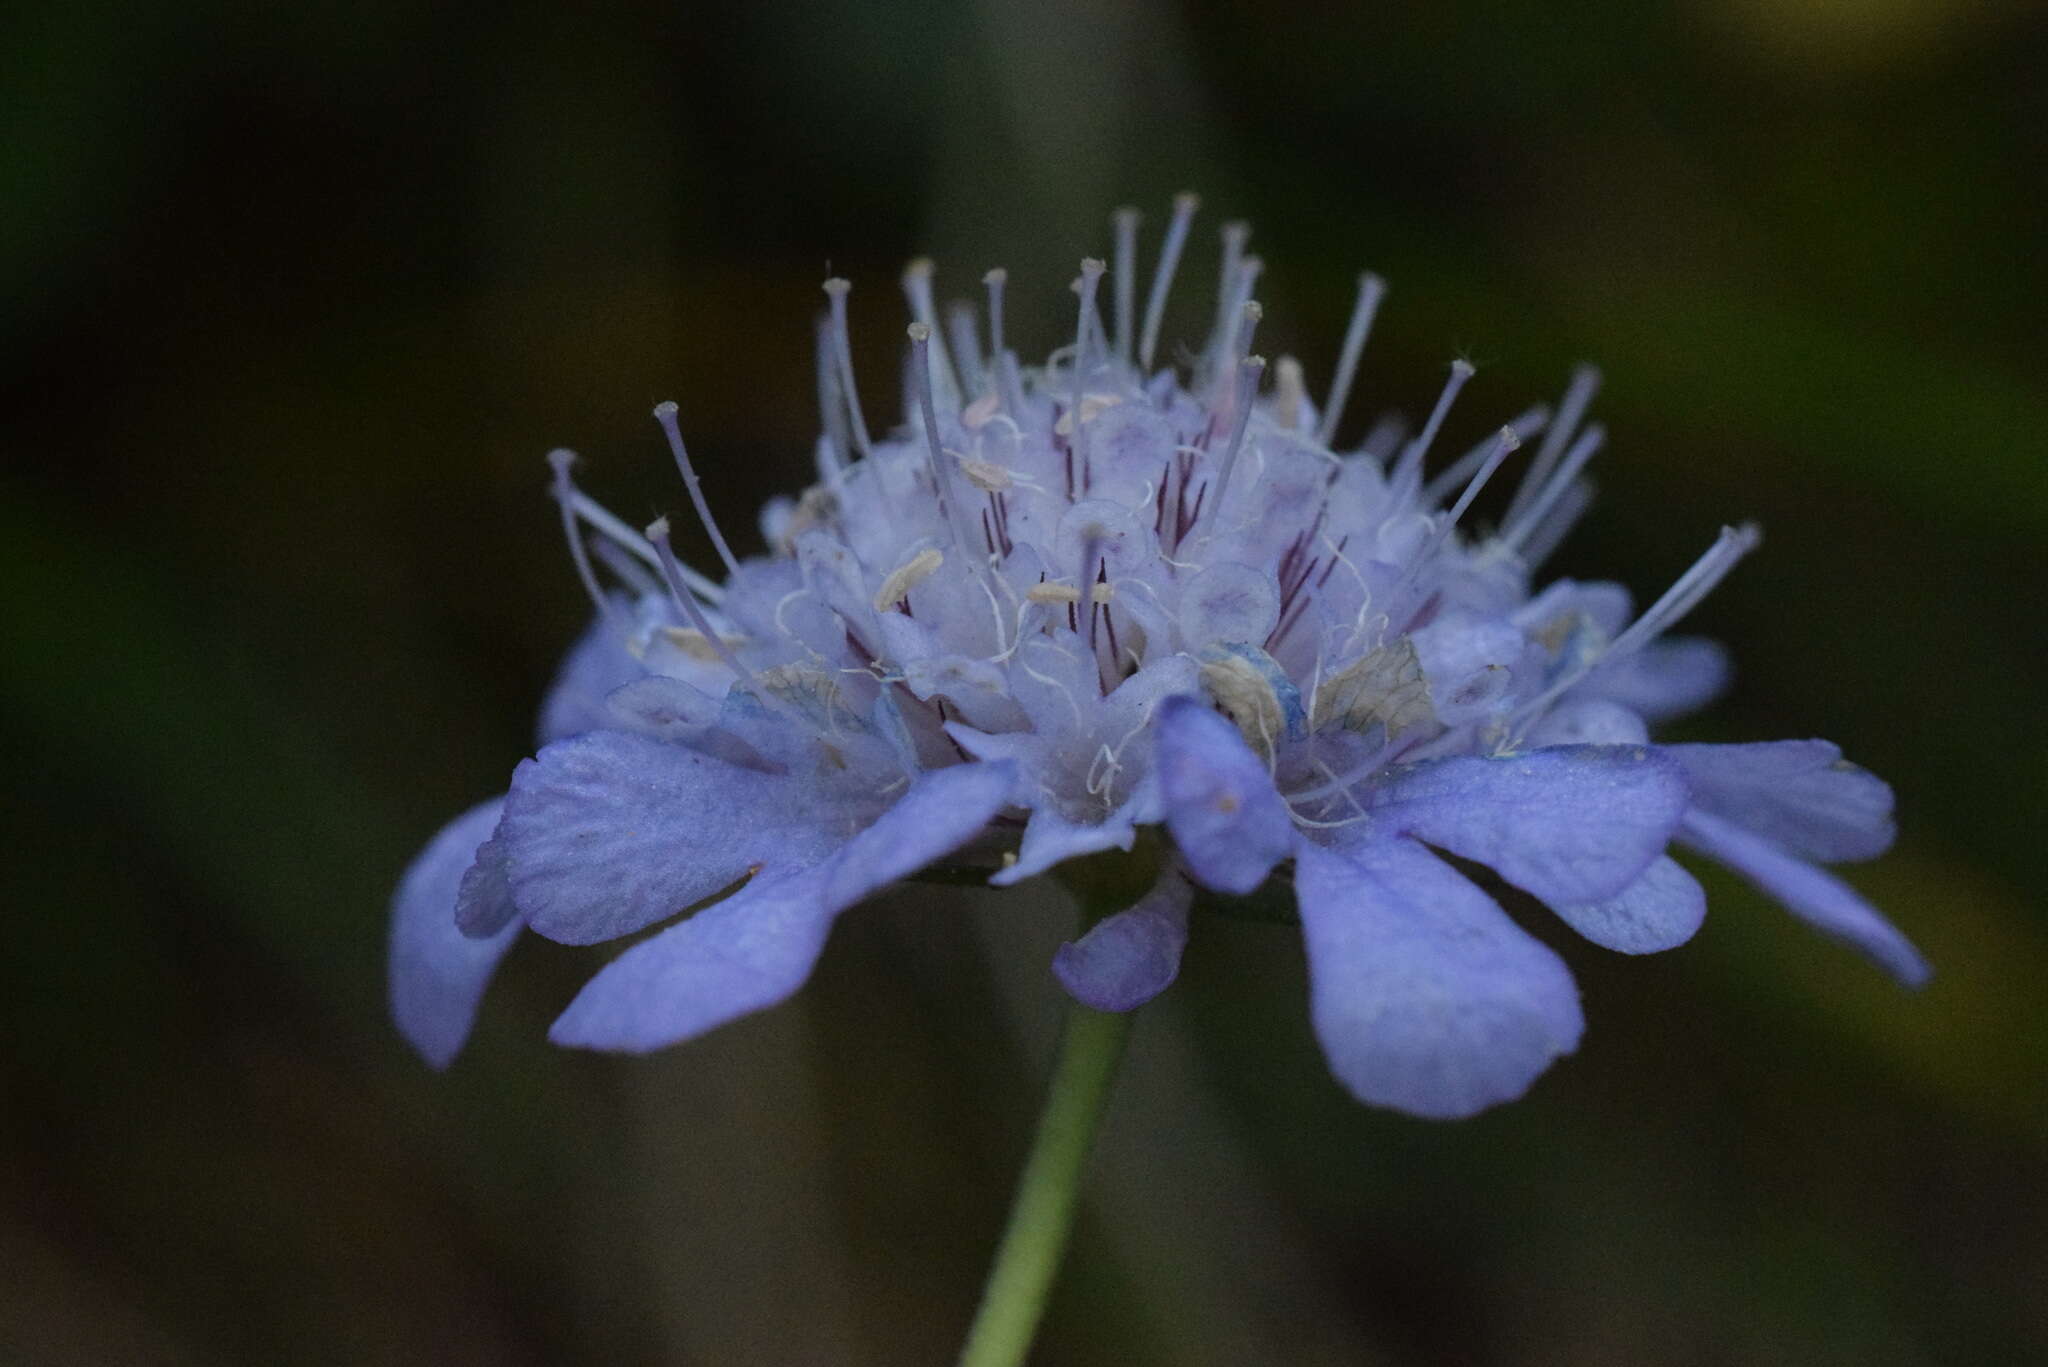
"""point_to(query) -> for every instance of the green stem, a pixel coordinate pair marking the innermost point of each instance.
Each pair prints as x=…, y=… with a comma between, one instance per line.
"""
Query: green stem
x=1042, y=1213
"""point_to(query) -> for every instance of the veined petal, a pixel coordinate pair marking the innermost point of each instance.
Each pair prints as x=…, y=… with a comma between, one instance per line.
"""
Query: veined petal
x=755, y=948
x=1424, y=995
x=744, y=954
x=1812, y=894
x=1230, y=825
x=608, y=832
x=1571, y=824
x=1127, y=959
x=942, y=811
x=1799, y=794
x=1661, y=910
x=437, y=974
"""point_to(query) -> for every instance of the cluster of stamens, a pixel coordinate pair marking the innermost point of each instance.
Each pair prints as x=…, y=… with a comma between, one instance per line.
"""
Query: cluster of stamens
x=1048, y=551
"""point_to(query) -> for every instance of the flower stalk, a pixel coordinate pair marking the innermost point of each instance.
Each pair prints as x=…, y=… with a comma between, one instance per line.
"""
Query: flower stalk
x=1049, y=1191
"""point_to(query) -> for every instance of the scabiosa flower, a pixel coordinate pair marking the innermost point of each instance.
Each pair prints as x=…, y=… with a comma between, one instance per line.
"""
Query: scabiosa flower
x=1068, y=602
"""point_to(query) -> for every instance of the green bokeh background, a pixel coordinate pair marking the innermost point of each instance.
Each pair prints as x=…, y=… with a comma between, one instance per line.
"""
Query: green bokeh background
x=290, y=307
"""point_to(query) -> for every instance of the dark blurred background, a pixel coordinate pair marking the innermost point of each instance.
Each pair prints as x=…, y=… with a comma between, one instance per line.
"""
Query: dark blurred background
x=295, y=300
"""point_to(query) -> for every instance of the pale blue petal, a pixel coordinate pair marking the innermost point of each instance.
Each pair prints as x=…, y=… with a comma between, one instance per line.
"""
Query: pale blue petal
x=743, y=954
x=664, y=708
x=1588, y=721
x=667, y=709
x=1127, y=959
x=437, y=974
x=1661, y=910
x=1050, y=839
x=1230, y=826
x=942, y=811
x=752, y=950
x=1667, y=678
x=1424, y=995
x=1798, y=794
x=1572, y=824
x=1811, y=893
x=596, y=665
x=483, y=902
x=1024, y=750
x=608, y=832
x=1471, y=661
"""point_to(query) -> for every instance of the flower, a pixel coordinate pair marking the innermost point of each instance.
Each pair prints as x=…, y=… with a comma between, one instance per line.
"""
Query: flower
x=1067, y=602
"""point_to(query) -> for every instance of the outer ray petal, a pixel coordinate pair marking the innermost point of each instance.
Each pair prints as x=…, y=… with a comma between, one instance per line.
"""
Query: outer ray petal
x=1230, y=825
x=1425, y=996
x=1572, y=824
x=437, y=975
x=755, y=948
x=1050, y=839
x=1127, y=959
x=1667, y=678
x=1660, y=910
x=1799, y=794
x=1812, y=894
x=608, y=832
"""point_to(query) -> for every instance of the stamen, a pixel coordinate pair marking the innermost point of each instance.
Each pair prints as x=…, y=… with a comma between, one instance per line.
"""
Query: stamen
x=1101, y=595
x=994, y=280
x=565, y=496
x=1383, y=438
x=1091, y=279
x=665, y=414
x=1525, y=425
x=917, y=288
x=1125, y=225
x=830, y=413
x=907, y=576
x=1686, y=594
x=1290, y=392
x=1682, y=597
x=1012, y=383
x=601, y=518
x=1092, y=571
x=1047, y=591
x=1516, y=530
x=1247, y=323
x=966, y=346
x=1229, y=342
x=950, y=506
x=1410, y=465
x=836, y=290
x=1505, y=443
x=1371, y=289
x=1229, y=388
x=1248, y=372
x=831, y=474
x=1235, y=235
x=671, y=572
x=1184, y=206
x=621, y=563
x=1585, y=383
x=1098, y=332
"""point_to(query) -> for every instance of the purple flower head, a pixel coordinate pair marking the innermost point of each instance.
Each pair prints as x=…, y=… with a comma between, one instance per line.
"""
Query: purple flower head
x=1062, y=602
